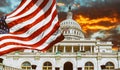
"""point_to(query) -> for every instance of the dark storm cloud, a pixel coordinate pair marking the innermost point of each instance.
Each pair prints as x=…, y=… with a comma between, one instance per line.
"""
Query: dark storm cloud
x=3, y=3
x=6, y=6
x=110, y=9
x=114, y=37
x=62, y=16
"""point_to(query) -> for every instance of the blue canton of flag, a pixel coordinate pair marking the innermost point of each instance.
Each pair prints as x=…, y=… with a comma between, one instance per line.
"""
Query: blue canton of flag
x=3, y=26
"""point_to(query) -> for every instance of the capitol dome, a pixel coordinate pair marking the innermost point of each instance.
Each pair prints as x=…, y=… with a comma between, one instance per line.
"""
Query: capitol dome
x=71, y=29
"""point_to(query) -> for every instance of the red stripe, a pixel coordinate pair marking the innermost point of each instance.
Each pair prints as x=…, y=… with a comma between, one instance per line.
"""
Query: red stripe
x=22, y=2
x=25, y=18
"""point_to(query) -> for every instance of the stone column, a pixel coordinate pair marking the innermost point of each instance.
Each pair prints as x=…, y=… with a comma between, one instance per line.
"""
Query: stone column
x=118, y=59
x=99, y=67
x=53, y=49
x=72, y=49
x=83, y=48
x=64, y=49
x=56, y=48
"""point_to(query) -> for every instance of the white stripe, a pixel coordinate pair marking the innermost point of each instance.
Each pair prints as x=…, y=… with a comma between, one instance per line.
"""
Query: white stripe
x=19, y=9
x=33, y=41
x=25, y=23
x=31, y=10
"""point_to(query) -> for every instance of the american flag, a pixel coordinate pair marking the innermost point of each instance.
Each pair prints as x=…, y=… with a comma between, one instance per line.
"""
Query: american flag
x=33, y=25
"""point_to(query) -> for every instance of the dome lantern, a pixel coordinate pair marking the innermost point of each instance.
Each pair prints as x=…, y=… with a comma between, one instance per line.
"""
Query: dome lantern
x=69, y=14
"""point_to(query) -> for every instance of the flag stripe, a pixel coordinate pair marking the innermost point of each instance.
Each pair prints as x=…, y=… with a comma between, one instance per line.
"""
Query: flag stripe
x=34, y=26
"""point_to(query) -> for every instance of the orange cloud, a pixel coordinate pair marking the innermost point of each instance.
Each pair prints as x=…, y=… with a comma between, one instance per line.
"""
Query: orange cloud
x=86, y=20
x=96, y=24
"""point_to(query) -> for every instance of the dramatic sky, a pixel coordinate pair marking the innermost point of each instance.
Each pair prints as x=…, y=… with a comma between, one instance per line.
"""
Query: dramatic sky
x=98, y=18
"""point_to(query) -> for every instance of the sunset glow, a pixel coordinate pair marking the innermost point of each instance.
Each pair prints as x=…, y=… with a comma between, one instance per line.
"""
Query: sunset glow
x=95, y=24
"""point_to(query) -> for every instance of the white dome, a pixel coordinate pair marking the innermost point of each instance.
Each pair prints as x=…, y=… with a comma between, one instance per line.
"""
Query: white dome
x=70, y=23
x=71, y=28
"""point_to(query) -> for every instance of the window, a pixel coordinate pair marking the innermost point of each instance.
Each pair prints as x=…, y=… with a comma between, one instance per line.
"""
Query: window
x=76, y=48
x=57, y=68
x=60, y=48
x=74, y=32
x=1, y=60
x=89, y=66
x=109, y=66
x=80, y=68
x=47, y=66
x=26, y=66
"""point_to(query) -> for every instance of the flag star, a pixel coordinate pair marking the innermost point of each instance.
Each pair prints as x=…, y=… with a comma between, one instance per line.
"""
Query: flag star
x=3, y=26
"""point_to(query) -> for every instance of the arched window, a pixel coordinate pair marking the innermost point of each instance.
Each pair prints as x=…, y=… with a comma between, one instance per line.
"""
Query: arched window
x=68, y=31
x=109, y=66
x=26, y=66
x=89, y=66
x=47, y=66
x=74, y=32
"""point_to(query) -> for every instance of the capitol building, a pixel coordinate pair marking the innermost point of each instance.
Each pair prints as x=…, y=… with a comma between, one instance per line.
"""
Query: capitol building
x=75, y=52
